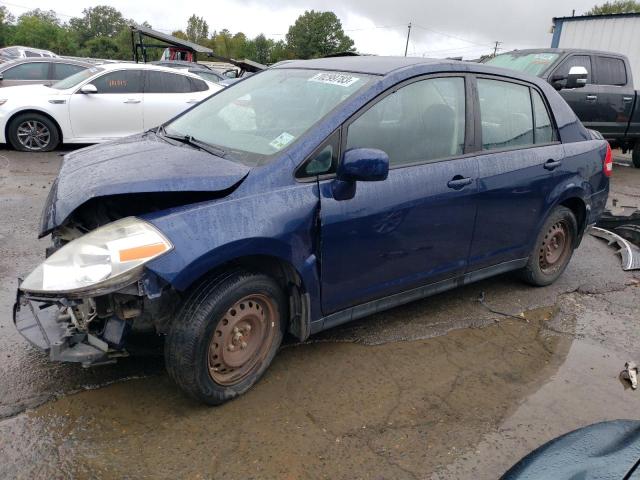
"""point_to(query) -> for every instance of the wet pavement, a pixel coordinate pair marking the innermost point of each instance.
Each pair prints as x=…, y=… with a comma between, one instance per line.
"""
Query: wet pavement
x=440, y=388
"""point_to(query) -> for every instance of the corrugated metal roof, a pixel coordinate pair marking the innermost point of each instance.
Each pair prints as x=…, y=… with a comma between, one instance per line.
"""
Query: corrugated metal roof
x=594, y=17
x=178, y=42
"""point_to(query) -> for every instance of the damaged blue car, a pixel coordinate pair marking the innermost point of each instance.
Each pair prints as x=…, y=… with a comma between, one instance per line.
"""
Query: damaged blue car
x=311, y=194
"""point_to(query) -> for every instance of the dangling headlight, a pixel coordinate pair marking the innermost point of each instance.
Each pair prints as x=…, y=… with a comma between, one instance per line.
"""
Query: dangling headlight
x=107, y=257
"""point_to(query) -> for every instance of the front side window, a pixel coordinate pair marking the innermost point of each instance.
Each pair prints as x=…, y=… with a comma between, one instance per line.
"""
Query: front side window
x=268, y=111
x=562, y=71
x=122, y=81
x=28, y=71
x=423, y=121
x=611, y=71
x=163, y=82
x=505, y=113
x=64, y=70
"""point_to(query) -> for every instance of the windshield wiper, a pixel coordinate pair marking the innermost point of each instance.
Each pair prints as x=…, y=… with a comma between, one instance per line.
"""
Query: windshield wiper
x=190, y=140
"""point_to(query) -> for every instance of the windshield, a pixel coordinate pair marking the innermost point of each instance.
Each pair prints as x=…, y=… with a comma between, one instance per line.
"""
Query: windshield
x=76, y=78
x=531, y=63
x=266, y=113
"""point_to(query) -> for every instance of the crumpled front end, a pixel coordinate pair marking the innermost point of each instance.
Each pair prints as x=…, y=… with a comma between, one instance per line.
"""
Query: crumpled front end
x=93, y=330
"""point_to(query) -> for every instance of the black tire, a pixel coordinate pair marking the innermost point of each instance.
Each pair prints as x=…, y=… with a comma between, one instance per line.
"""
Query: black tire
x=195, y=336
x=33, y=132
x=541, y=270
x=635, y=155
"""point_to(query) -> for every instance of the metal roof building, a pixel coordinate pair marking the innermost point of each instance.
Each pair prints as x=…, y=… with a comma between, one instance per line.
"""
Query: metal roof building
x=619, y=33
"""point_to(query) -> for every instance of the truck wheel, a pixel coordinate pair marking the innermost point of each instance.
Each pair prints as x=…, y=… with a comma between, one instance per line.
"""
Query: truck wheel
x=553, y=248
x=635, y=155
x=32, y=132
x=225, y=336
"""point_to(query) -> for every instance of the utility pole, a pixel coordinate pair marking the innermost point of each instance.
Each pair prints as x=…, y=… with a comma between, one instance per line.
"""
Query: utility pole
x=495, y=50
x=406, y=48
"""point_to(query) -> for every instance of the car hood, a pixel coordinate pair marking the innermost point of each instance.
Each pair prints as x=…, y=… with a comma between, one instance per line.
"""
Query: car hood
x=142, y=164
x=30, y=90
x=604, y=450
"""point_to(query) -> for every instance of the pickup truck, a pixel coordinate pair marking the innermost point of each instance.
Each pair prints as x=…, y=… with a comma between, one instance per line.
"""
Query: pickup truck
x=605, y=102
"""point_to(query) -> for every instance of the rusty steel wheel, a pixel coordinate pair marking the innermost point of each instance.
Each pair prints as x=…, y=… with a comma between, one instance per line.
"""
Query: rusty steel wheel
x=556, y=247
x=242, y=339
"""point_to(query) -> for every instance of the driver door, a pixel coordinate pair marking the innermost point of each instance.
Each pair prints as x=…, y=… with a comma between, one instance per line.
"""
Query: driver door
x=115, y=110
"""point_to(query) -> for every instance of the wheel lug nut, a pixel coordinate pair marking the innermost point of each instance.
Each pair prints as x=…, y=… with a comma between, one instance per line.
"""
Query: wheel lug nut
x=231, y=348
x=243, y=345
x=236, y=329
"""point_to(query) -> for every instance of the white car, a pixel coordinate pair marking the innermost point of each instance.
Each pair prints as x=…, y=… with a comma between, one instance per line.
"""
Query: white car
x=98, y=104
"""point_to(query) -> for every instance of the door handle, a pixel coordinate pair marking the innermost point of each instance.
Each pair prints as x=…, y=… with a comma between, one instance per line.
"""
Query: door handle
x=193, y=101
x=552, y=164
x=591, y=98
x=627, y=99
x=131, y=100
x=458, y=182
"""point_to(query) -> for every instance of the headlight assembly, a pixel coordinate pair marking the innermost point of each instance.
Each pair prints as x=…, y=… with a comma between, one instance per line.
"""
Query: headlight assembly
x=107, y=257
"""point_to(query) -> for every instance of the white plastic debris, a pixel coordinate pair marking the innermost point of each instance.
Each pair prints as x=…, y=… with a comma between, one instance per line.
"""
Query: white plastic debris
x=630, y=373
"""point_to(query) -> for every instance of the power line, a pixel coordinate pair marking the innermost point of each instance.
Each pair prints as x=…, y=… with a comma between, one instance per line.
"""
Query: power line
x=451, y=36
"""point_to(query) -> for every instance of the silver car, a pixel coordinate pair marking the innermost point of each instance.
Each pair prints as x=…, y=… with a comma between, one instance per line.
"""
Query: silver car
x=42, y=70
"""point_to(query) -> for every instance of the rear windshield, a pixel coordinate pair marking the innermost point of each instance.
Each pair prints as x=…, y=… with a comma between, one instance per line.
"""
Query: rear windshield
x=531, y=63
x=76, y=78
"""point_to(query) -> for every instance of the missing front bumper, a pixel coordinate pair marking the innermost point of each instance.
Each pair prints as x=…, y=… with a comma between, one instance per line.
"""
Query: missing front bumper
x=43, y=324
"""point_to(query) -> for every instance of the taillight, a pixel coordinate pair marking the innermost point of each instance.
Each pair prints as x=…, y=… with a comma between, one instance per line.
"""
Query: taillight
x=607, y=168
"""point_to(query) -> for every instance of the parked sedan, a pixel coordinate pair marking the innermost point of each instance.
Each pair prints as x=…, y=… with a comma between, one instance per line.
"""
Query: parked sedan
x=308, y=195
x=43, y=71
x=97, y=104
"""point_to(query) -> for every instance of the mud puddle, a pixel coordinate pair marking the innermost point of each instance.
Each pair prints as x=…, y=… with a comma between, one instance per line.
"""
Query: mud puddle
x=398, y=410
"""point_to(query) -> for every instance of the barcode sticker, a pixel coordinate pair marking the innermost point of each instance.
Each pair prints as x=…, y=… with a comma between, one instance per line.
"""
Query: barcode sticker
x=340, y=79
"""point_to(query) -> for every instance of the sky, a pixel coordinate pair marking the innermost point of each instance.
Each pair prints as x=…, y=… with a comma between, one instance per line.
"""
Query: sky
x=450, y=28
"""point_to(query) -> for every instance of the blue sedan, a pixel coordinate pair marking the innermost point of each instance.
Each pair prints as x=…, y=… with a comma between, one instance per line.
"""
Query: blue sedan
x=306, y=196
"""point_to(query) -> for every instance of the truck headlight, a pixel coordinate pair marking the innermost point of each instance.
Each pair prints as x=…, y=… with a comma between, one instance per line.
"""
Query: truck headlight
x=107, y=257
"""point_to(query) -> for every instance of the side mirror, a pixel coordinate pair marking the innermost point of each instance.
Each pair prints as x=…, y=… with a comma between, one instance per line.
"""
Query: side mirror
x=363, y=165
x=88, y=88
x=577, y=77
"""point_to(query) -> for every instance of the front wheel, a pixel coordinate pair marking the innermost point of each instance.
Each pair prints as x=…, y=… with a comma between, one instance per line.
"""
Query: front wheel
x=32, y=132
x=635, y=155
x=553, y=248
x=225, y=336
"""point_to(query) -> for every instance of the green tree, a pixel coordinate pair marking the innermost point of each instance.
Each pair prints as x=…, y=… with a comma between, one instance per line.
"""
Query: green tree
x=197, y=29
x=616, y=6
x=315, y=34
x=6, y=25
x=179, y=34
x=262, y=47
x=42, y=29
x=98, y=21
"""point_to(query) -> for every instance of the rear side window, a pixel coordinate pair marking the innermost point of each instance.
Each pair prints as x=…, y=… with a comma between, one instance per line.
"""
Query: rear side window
x=611, y=71
x=198, y=85
x=422, y=121
x=505, y=113
x=123, y=81
x=30, y=54
x=64, y=70
x=544, y=132
x=162, y=82
x=562, y=71
x=28, y=71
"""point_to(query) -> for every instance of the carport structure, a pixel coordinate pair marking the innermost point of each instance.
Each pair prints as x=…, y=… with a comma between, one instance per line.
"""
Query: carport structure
x=139, y=46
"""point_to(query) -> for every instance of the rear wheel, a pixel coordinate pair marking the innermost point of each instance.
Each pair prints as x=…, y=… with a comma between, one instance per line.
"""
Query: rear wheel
x=32, y=132
x=225, y=336
x=635, y=155
x=553, y=249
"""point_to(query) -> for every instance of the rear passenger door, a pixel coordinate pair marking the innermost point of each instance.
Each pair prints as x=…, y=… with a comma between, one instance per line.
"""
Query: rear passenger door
x=615, y=96
x=415, y=227
x=520, y=152
x=168, y=94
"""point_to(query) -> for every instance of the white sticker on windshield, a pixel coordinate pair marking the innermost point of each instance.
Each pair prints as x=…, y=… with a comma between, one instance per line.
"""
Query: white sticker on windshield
x=341, y=79
x=282, y=140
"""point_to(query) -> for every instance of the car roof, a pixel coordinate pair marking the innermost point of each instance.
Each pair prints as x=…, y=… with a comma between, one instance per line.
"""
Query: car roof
x=373, y=65
x=181, y=64
x=562, y=51
x=19, y=61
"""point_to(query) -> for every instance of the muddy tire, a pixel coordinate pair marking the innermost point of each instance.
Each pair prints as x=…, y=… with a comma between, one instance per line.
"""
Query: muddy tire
x=635, y=155
x=32, y=132
x=225, y=336
x=553, y=248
